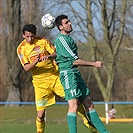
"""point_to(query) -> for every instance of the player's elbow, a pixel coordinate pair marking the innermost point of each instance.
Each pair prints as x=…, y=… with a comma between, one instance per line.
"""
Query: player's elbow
x=76, y=62
x=26, y=68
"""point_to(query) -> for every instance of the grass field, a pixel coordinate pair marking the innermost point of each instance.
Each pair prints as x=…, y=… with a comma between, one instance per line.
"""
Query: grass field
x=22, y=119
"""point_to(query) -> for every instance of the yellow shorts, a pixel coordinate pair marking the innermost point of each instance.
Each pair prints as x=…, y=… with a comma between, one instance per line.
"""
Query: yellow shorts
x=45, y=91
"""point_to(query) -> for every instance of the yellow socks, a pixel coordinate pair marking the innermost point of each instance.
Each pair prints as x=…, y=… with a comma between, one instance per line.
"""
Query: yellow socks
x=40, y=125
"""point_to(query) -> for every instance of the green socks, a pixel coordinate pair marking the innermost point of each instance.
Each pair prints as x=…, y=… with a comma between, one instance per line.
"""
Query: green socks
x=94, y=118
x=72, y=122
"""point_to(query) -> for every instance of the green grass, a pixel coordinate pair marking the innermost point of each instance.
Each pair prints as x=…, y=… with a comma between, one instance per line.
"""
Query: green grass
x=22, y=120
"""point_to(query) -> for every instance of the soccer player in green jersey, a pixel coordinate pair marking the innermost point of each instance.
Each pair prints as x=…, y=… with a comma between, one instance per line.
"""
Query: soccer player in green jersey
x=75, y=88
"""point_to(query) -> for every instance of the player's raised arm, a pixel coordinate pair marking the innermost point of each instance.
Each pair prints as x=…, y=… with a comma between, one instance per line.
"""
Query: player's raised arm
x=80, y=62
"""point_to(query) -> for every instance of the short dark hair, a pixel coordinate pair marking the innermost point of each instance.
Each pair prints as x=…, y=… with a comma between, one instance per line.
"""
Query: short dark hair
x=58, y=20
x=30, y=28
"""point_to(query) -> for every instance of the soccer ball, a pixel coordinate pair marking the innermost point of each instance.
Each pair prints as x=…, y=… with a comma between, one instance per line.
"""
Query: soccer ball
x=48, y=21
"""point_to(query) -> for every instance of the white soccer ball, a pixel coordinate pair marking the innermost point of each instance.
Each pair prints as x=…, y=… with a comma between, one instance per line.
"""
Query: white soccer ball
x=48, y=21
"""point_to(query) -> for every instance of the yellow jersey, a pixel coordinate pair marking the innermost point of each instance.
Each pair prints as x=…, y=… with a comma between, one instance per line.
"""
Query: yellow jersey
x=28, y=52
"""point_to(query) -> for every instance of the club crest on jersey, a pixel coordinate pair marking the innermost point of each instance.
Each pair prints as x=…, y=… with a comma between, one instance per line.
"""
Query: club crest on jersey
x=36, y=48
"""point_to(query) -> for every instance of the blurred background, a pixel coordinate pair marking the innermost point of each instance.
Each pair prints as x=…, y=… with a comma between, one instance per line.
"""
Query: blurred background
x=102, y=29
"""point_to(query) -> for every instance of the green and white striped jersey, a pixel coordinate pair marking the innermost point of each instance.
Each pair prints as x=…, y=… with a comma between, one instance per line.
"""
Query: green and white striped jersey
x=66, y=50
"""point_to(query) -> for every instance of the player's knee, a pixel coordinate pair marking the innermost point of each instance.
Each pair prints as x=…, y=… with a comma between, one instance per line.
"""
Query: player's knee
x=73, y=105
x=41, y=115
x=73, y=108
x=88, y=104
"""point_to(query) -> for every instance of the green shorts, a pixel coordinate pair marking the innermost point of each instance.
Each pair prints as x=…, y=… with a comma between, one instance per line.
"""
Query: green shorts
x=74, y=85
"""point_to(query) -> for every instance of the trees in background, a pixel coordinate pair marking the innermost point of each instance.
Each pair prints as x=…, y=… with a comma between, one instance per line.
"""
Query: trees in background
x=102, y=29
x=15, y=82
x=10, y=69
x=105, y=21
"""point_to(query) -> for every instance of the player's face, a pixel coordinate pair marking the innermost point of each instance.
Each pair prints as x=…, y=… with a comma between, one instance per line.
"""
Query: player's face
x=29, y=37
x=66, y=26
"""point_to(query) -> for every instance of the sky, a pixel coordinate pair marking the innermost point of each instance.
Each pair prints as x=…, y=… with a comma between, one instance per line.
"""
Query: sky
x=65, y=10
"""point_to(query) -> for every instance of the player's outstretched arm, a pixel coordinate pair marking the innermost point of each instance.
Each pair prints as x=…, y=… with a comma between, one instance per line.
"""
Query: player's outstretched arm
x=80, y=62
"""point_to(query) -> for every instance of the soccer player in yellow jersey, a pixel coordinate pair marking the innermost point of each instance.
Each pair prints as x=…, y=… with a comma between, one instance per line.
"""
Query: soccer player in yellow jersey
x=37, y=55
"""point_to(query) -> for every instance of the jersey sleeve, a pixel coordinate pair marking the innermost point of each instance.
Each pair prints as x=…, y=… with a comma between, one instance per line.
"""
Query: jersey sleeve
x=50, y=48
x=21, y=55
x=64, y=50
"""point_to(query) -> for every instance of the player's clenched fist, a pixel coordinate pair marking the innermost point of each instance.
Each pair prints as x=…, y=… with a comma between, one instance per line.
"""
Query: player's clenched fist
x=98, y=64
